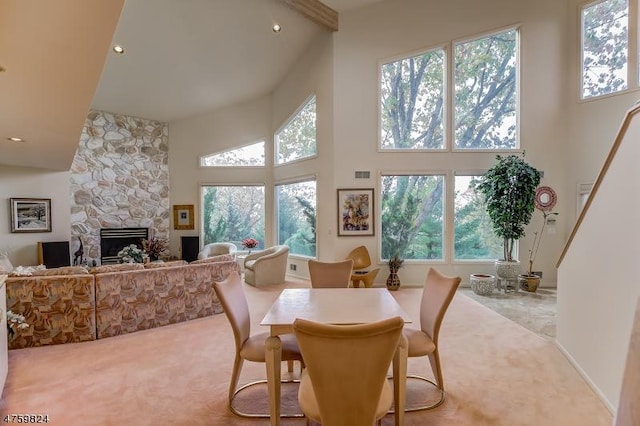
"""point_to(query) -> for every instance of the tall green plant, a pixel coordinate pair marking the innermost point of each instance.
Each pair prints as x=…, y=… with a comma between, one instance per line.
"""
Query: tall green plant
x=509, y=189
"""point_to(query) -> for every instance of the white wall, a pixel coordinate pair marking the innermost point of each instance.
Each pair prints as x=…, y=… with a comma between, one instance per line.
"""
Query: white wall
x=205, y=134
x=598, y=288
x=312, y=74
x=19, y=182
x=341, y=68
x=391, y=28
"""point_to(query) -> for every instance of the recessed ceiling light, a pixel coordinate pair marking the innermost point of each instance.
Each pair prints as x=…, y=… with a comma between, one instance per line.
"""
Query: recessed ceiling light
x=118, y=50
x=15, y=139
x=276, y=28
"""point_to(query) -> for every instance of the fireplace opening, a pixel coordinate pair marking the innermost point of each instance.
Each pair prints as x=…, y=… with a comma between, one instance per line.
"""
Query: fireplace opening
x=112, y=240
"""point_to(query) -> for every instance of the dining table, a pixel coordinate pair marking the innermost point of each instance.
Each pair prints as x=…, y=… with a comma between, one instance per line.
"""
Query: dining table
x=342, y=306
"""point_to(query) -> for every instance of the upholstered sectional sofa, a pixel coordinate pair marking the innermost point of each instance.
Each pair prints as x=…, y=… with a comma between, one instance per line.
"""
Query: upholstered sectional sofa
x=73, y=304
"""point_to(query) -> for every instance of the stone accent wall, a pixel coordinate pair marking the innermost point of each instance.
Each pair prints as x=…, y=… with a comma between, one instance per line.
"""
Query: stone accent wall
x=119, y=179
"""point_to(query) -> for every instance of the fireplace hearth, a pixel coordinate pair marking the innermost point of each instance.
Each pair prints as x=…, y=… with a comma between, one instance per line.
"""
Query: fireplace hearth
x=112, y=240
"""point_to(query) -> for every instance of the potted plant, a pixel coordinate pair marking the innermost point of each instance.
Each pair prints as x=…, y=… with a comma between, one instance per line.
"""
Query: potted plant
x=509, y=190
x=545, y=200
x=249, y=243
x=15, y=323
x=131, y=254
x=394, y=264
x=154, y=247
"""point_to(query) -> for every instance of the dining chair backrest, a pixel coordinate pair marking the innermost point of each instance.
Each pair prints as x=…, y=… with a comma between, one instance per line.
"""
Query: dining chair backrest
x=437, y=294
x=347, y=366
x=330, y=274
x=236, y=308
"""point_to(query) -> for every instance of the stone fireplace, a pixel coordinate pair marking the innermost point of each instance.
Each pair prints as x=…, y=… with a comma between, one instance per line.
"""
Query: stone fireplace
x=119, y=180
x=112, y=240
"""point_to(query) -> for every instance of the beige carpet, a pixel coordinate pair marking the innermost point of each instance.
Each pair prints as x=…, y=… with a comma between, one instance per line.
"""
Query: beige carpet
x=496, y=373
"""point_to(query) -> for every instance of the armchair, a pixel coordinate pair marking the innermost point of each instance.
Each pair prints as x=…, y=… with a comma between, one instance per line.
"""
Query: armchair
x=361, y=265
x=267, y=266
x=215, y=249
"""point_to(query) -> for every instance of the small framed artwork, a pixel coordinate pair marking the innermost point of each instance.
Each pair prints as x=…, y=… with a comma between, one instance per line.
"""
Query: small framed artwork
x=30, y=214
x=183, y=216
x=355, y=212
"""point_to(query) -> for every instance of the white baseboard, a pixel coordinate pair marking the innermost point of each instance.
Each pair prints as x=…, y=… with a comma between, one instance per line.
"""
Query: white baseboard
x=587, y=379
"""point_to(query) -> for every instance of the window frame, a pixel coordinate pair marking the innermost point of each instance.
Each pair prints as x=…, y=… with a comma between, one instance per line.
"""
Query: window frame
x=454, y=260
x=263, y=141
x=446, y=136
x=446, y=226
x=448, y=118
x=204, y=185
x=276, y=210
x=633, y=55
x=518, y=58
x=286, y=123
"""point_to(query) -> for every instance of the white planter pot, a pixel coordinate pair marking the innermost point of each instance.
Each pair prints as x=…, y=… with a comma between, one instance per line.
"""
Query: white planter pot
x=507, y=272
x=482, y=284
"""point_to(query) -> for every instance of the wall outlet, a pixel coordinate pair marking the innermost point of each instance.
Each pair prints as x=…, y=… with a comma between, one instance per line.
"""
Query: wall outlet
x=293, y=267
x=538, y=273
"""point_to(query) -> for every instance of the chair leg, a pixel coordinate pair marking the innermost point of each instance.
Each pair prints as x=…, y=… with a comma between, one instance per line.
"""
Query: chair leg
x=290, y=366
x=235, y=376
x=434, y=360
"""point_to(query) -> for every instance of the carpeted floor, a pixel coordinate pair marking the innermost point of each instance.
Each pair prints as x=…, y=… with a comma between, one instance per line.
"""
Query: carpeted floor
x=496, y=373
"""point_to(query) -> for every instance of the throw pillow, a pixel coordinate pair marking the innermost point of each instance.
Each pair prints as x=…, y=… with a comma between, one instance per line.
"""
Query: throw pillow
x=5, y=263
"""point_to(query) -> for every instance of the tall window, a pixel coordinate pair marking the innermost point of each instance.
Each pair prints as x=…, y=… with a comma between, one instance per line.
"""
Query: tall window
x=297, y=138
x=296, y=215
x=411, y=102
x=485, y=92
x=232, y=213
x=605, y=46
x=474, y=238
x=249, y=155
x=412, y=218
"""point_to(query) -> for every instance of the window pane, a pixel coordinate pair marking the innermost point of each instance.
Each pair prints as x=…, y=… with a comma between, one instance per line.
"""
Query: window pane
x=250, y=155
x=412, y=216
x=411, y=104
x=233, y=213
x=485, y=72
x=297, y=138
x=474, y=236
x=605, y=41
x=297, y=217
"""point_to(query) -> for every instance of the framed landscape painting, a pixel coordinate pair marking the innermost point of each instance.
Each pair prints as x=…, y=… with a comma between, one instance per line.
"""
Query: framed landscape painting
x=355, y=212
x=30, y=214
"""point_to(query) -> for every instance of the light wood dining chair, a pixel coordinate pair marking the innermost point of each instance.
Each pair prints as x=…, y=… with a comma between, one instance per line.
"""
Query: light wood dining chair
x=437, y=294
x=248, y=347
x=330, y=274
x=345, y=379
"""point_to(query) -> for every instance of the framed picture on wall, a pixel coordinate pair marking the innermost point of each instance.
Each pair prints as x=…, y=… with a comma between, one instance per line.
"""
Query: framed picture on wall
x=355, y=212
x=183, y=216
x=30, y=214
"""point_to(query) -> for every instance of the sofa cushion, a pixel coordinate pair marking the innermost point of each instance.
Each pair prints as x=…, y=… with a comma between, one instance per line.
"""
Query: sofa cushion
x=218, y=258
x=152, y=265
x=64, y=270
x=118, y=267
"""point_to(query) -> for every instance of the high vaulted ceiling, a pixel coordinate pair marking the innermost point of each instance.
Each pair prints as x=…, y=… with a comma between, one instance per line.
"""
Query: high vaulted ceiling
x=182, y=58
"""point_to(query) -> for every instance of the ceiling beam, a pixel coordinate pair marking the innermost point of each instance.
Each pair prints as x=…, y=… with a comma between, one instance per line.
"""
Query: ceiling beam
x=316, y=11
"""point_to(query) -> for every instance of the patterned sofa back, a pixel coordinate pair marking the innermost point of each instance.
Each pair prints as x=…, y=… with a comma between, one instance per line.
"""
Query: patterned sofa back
x=58, y=309
x=135, y=300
